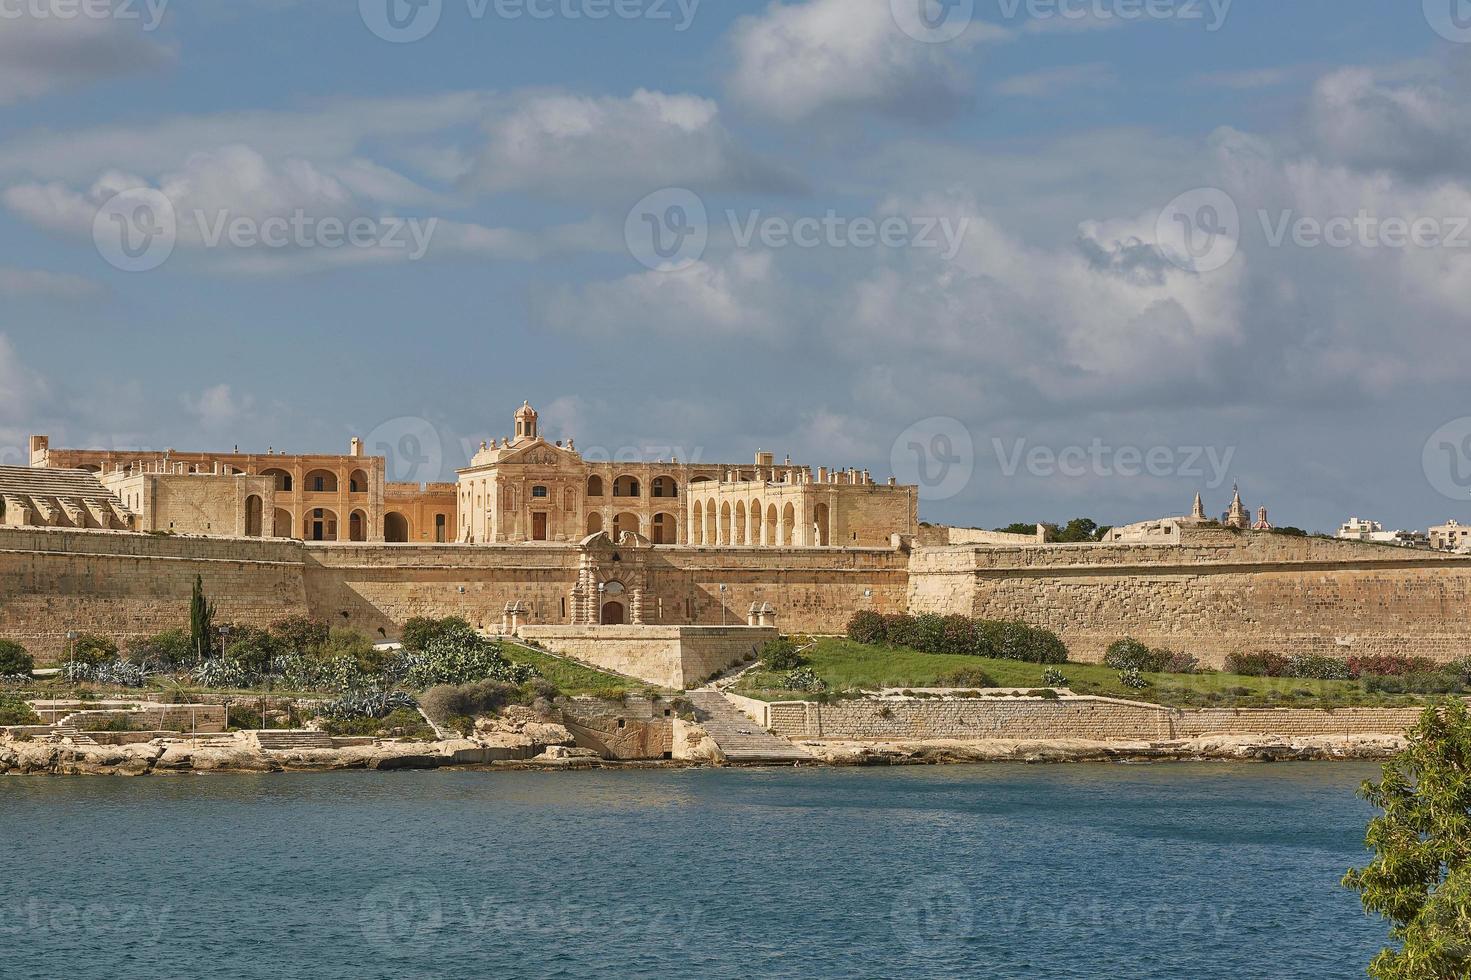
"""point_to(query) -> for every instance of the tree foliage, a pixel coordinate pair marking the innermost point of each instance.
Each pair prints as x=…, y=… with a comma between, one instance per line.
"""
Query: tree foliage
x=1420, y=877
x=201, y=621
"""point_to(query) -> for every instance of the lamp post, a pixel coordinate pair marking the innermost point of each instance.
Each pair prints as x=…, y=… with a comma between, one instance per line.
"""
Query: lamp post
x=71, y=640
x=602, y=588
x=225, y=642
x=723, y=615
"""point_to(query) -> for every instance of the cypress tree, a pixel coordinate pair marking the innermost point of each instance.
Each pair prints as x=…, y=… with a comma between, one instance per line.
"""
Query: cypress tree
x=201, y=621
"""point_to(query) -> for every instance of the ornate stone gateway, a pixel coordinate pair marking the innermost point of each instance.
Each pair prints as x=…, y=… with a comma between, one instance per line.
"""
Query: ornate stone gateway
x=611, y=580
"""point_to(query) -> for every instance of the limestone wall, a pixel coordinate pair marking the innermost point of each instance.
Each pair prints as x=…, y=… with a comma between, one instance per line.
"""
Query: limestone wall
x=1092, y=719
x=1215, y=593
x=132, y=585
x=675, y=657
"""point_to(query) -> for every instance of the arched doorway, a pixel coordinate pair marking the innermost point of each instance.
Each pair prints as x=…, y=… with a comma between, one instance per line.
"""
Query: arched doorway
x=594, y=522
x=725, y=524
x=788, y=525
x=740, y=524
x=321, y=524
x=697, y=524
x=357, y=526
x=395, y=528
x=758, y=524
x=282, y=478
x=284, y=523
x=666, y=529
x=623, y=524
x=254, y=516
x=820, y=519
x=613, y=614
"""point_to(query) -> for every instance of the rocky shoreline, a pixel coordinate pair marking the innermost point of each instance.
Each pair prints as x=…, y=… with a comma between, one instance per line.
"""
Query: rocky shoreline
x=240, y=754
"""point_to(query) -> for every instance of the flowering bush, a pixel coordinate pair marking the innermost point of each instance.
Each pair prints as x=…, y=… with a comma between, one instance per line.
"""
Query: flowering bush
x=1391, y=666
x=1256, y=664
x=1133, y=680
x=1314, y=667
x=1129, y=653
x=1053, y=677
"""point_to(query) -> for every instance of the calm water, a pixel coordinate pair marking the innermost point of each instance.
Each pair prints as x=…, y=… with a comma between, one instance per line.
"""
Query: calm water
x=992, y=871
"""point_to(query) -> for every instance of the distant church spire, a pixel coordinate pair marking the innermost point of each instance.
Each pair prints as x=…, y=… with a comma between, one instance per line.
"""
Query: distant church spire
x=1237, y=516
x=1198, y=511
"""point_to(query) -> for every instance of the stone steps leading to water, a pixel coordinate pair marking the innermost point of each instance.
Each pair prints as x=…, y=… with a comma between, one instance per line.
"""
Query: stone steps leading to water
x=282, y=740
x=740, y=738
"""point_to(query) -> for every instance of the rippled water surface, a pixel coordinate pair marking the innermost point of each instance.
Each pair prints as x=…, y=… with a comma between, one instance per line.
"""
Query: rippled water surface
x=991, y=871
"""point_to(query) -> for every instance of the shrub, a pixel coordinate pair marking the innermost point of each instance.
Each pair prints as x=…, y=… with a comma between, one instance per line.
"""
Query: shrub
x=350, y=643
x=449, y=660
x=1307, y=666
x=777, y=655
x=957, y=635
x=168, y=649
x=1393, y=666
x=804, y=679
x=15, y=711
x=1053, y=677
x=1256, y=664
x=1018, y=641
x=446, y=702
x=400, y=721
x=1180, y=662
x=367, y=704
x=1426, y=683
x=928, y=633
x=421, y=631
x=14, y=659
x=1045, y=693
x=1133, y=679
x=867, y=628
x=89, y=648
x=969, y=678
x=300, y=634
x=220, y=672
x=901, y=631
x=1130, y=654
x=254, y=648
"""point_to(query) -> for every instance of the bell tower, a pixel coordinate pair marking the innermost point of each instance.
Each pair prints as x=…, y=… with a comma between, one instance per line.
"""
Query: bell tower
x=525, y=423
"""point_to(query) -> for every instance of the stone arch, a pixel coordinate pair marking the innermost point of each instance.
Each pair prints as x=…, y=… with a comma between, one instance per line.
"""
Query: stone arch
x=627, y=486
x=711, y=535
x=697, y=523
x=664, y=487
x=614, y=613
x=594, y=523
x=321, y=524
x=595, y=486
x=738, y=531
x=284, y=522
x=665, y=529
x=725, y=523
x=821, y=520
x=788, y=526
x=357, y=526
x=282, y=478
x=624, y=523
x=773, y=528
x=396, y=528
x=357, y=482
x=321, y=481
x=255, y=516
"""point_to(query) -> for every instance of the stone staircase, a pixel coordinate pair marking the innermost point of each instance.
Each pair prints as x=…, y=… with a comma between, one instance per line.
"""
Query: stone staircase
x=59, y=732
x=288, y=740
x=60, y=498
x=740, y=738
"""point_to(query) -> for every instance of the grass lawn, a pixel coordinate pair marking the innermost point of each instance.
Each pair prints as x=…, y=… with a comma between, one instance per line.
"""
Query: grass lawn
x=570, y=676
x=847, y=666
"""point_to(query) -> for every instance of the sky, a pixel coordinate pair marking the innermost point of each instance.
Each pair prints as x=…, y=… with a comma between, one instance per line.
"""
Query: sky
x=1046, y=258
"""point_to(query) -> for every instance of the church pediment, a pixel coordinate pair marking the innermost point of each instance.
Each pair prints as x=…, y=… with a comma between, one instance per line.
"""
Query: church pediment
x=539, y=453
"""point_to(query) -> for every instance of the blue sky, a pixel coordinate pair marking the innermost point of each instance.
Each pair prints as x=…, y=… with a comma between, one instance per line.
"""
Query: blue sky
x=1062, y=324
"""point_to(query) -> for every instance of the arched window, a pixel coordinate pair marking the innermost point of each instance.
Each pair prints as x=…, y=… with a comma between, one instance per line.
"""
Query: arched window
x=626, y=486
x=357, y=482
x=663, y=486
x=321, y=481
x=594, y=486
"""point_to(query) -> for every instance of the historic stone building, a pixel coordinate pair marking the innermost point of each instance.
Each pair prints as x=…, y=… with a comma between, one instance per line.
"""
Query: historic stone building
x=526, y=489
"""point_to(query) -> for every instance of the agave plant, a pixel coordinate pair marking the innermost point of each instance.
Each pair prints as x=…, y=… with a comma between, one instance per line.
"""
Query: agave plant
x=221, y=672
x=367, y=704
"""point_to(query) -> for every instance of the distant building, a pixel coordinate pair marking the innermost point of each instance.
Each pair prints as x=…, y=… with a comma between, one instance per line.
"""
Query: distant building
x=1357, y=529
x=1451, y=536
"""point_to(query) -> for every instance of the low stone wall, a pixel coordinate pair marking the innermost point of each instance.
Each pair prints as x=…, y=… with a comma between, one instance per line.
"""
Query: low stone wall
x=1091, y=719
x=675, y=657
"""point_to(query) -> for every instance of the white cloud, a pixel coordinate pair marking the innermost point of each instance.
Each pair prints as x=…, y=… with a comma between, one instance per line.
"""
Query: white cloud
x=1069, y=81
x=21, y=389
x=36, y=282
x=799, y=60
x=46, y=54
x=217, y=407
x=561, y=145
x=1415, y=121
